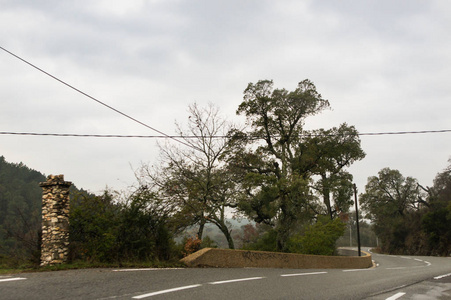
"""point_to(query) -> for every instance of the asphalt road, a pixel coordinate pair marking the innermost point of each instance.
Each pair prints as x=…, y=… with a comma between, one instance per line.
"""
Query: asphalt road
x=394, y=277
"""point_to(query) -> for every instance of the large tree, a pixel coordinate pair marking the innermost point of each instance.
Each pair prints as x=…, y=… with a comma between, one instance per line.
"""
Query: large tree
x=390, y=194
x=437, y=220
x=192, y=179
x=393, y=203
x=407, y=217
x=333, y=150
x=275, y=161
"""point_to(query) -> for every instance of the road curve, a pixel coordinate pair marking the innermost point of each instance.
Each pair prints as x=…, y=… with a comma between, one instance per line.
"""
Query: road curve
x=394, y=277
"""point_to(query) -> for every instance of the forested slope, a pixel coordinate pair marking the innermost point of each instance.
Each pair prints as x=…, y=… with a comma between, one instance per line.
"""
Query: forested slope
x=20, y=209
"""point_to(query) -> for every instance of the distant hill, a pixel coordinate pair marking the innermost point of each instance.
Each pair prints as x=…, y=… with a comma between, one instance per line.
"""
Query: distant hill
x=212, y=232
x=20, y=208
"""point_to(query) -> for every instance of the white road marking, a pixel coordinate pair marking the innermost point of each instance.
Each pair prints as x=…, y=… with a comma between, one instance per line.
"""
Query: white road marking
x=442, y=276
x=12, y=279
x=396, y=296
x=356, y=270
x=418, y=259
x=236, y=280
x=167, y=291
x=303, y=274
x=145, y=269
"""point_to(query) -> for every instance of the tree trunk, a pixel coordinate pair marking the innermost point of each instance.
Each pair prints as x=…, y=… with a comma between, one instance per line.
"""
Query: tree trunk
x=223, y=227
x=283, y=228
x=228, y=236
x=326, y=195
x=201, y=229
x=282, y=238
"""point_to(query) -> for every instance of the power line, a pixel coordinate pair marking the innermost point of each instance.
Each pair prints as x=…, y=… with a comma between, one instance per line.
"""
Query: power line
x=96, y=100
x=407, y=132
x=192, y=136
x=163, y=135
x=89, y=135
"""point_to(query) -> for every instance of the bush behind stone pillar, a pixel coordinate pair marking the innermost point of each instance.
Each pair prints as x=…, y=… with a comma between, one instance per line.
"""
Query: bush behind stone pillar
x=55, y=220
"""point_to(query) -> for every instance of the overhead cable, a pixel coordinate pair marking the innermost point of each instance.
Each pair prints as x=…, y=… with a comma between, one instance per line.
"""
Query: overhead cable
x=163, y=135
x=406, y=132
x=96, y=100
x=194, y=137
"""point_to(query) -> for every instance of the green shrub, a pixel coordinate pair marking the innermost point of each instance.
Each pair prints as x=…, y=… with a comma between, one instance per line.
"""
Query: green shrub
x=207, y=242
x=105, y=231
x=266, y=242
x=318, y=239
x=94, y=222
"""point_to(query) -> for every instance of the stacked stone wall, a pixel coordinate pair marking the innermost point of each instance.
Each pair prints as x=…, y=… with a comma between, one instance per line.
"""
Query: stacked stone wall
x=226, y=258
x=55, y=220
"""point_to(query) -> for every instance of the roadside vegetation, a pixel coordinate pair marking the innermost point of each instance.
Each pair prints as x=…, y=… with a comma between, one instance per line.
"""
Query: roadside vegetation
x=291, y=185
x=407, y=217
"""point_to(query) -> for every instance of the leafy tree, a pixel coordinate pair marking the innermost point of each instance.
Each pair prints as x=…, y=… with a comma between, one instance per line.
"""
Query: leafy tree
x=437, y=221
x=193, y=181
x=390, y=200
x=333, y=150
x=390, y=194
x=275, y=163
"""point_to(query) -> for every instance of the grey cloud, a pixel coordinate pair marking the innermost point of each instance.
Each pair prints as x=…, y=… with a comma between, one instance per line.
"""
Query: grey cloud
x=384, y=65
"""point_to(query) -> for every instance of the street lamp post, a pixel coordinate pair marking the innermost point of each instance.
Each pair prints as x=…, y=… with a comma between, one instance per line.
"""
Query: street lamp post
x=357, y=218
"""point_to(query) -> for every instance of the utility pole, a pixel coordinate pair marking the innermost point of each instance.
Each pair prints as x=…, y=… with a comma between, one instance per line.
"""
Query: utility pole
x=350, y=233
x=357, y=218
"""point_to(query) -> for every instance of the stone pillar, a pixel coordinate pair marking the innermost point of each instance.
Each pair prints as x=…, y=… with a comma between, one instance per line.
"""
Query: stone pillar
x=55, y=220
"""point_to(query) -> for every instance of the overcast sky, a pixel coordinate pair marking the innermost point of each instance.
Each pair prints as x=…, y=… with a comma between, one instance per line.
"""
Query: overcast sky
x=384, y=66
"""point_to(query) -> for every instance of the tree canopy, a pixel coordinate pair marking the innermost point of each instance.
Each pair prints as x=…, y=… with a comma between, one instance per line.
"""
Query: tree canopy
x=193, y=180
x=409, y=218
x=276, y=161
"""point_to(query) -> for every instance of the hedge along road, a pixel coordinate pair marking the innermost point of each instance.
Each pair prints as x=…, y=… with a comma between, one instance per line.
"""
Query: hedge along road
x=395, y=277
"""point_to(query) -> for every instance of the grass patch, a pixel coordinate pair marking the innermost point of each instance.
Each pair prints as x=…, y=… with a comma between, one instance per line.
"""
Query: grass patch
x=89, y=265
x=8, y=266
